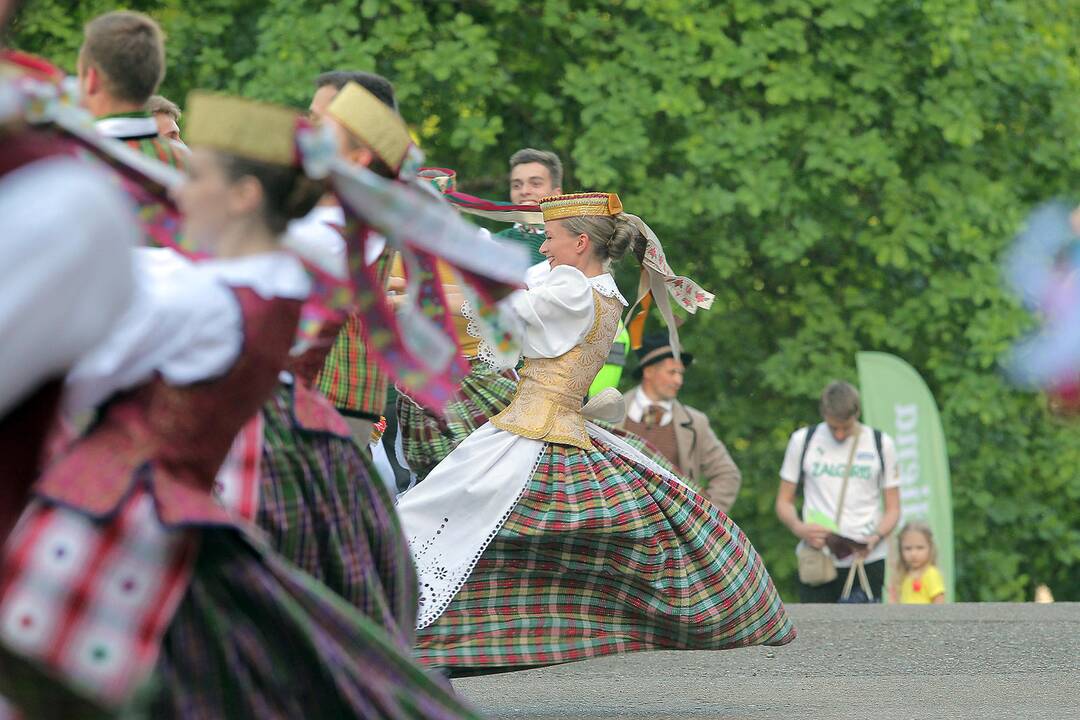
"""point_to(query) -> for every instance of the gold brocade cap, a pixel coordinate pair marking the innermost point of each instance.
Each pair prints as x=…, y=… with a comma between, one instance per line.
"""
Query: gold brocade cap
x=245, y=128
x=376, y=125
x=558, y=207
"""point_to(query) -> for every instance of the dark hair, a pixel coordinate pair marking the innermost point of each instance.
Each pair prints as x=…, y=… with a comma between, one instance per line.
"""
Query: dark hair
x=375, y=84
x=128, y=48
x=548, y=159
x=611, y=235
x=160, y=104
x=288, y=192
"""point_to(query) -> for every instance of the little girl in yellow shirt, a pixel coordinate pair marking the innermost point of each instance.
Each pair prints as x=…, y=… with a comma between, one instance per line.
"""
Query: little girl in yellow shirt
x=921, y=582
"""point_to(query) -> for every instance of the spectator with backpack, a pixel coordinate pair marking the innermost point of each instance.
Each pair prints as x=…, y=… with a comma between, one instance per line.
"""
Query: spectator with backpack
x=844, y=470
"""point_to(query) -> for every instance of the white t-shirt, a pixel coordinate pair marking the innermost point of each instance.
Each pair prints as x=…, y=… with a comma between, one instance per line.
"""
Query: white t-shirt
x=823, y=476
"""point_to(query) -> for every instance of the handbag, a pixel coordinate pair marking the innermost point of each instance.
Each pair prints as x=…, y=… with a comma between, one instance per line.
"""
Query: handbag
x=816, y=566
x=862, y=594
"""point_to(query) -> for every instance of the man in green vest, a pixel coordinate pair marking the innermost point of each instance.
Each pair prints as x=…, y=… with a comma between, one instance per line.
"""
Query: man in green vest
x=534, y=174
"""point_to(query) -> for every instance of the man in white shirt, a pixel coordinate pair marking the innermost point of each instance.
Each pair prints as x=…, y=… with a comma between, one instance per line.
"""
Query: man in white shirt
x=680, y=432
x=817, y=456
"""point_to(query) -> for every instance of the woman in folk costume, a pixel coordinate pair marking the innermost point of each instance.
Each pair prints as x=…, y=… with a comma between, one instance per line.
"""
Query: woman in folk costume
x=426, y=436
x=543, y=538
x=126, y=587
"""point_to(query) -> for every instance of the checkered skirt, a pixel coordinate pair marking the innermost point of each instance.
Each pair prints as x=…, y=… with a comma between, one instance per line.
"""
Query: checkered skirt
x=600, y=556
x=427, y=438
x=324, y=512
x=230, y=630
x=256, y=638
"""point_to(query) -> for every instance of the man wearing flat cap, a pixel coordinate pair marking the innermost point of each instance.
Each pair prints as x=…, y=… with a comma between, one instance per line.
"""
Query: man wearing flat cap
x=681, y=433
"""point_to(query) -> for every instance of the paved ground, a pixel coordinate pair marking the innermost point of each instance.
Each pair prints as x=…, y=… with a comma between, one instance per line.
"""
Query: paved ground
x=857, y=662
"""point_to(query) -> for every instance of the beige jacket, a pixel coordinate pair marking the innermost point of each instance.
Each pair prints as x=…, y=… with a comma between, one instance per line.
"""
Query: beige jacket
x=702, y=456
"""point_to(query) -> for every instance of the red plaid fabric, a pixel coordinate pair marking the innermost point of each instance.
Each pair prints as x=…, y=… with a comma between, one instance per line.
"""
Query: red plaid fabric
x=90, y=599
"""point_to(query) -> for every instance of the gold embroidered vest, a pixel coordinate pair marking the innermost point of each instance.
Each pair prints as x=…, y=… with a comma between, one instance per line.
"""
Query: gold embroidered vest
x=547, y=404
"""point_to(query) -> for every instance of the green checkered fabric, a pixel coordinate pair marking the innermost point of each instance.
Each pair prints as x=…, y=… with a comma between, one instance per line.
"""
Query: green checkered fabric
x=351, y=380
x=602, y=556
x=324, y=509
x=427, y=438
x=254, y=637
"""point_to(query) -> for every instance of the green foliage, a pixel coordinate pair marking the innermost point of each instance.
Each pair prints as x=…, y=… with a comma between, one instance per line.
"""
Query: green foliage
x=843, y=173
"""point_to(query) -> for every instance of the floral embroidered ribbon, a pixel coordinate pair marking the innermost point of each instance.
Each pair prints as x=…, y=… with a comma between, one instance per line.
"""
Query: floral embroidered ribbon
x=660, y=282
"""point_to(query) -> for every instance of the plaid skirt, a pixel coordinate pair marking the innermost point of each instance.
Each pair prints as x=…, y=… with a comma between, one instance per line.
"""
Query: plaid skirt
x=256, y=638
x=427, y=438
x=248, y=636
x=324, y=511
x=602, y=555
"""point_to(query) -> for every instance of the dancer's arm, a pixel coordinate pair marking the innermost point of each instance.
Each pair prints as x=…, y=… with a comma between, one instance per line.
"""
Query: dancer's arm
x=182, y=324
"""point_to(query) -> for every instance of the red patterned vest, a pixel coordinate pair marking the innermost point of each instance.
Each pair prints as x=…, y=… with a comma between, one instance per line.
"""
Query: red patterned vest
x=172, y=438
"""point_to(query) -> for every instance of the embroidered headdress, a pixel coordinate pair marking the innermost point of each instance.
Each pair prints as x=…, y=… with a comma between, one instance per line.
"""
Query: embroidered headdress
x=376, y=125
x=558, y=207
x=245, y=128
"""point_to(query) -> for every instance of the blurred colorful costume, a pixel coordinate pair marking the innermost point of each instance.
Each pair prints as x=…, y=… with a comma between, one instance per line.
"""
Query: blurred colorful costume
x=127, y=569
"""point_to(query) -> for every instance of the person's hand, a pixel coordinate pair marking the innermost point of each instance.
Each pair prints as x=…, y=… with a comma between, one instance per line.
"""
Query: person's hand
x=871, y=543
x=815, y=535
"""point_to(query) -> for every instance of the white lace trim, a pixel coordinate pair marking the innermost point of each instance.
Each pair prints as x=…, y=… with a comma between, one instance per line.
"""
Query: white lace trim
x=435, y=597
x=605, y=285
x=484, y=352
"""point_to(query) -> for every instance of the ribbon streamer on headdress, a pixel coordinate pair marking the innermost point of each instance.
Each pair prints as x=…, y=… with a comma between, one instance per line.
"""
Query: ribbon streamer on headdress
x=488, y=319
x=422, y=228
x=417, y=344
x=445, y=181
x=426, y=319
x=660, y=282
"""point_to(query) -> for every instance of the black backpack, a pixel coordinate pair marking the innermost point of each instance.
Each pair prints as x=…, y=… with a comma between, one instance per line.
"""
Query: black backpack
x=806, y=446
